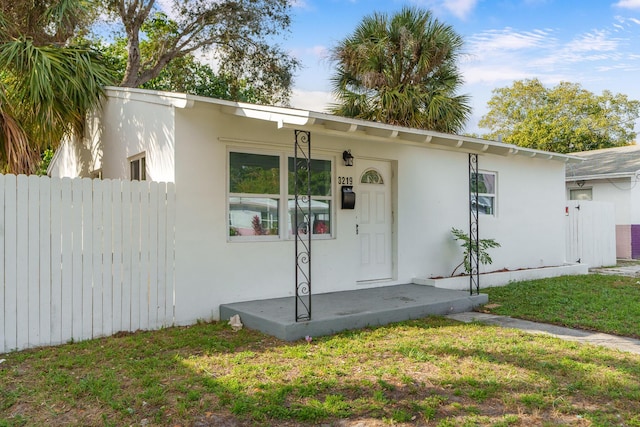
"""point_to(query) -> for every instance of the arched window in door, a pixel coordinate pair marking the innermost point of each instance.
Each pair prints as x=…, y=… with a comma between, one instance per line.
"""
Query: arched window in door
x=371, y=176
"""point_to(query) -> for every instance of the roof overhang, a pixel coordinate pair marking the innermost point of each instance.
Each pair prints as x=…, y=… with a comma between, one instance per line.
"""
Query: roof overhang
x=325, y=123
x=621, y=175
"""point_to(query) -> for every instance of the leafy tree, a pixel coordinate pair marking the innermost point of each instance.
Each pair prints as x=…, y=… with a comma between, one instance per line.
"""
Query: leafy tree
x=46, y=22
x=237, y=31
x=401, y=70
x=565, y=118
x=183, y=74
x=47, y=84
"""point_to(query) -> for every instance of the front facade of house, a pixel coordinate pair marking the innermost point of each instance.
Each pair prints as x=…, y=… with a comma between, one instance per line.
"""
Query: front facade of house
x=232, y=165
x=611, y=175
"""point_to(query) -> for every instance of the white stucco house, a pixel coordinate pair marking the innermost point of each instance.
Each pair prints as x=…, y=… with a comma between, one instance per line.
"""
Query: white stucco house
x=231, y=165
x=611, y=175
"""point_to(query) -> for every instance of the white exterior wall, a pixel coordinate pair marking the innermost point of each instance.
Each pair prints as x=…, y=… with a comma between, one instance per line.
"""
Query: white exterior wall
x=430, y=196
x=75, y=157
x=130, y=128
x=126, y=128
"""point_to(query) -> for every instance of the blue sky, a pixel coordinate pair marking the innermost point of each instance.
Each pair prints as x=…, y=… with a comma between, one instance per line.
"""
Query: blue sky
x=595, y=43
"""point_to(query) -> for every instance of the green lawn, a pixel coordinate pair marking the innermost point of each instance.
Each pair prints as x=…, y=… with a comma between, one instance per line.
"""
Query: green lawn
x=602, y=303
x=433, y=372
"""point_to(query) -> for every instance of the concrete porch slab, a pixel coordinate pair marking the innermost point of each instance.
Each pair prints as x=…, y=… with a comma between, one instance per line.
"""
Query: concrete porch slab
x=338, y=311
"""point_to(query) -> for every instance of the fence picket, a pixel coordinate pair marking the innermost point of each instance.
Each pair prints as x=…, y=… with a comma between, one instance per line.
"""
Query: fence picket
x=152, y=227
x=97, y=232
x=107, y=258
x=22, y=260
x=171, y=253
x=126, y=256
x=135, y=256
x=161, y=250
x=87, y=259
x=44, y=258
x=76, y=235
x=11, y=263
x=66, y=234
x=145, y=285
x=56, y=261
x=117, y=274
x=31, y=262
x=3, y=306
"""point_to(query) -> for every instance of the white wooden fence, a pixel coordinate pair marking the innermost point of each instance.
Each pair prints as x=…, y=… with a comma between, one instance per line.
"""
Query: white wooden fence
x=591, y=233
x=83, y=258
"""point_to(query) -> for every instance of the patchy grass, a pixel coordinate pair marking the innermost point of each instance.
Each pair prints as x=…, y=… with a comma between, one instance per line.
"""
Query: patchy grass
x=604, y=303
x=433, y=372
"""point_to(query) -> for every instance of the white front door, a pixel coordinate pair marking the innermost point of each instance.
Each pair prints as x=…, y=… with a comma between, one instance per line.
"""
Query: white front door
x=373, y=206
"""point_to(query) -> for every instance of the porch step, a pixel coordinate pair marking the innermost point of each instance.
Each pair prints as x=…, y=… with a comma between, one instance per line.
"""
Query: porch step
x=338, y=311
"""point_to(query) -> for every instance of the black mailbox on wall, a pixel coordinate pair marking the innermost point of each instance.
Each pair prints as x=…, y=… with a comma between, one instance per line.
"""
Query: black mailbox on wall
x=348, y=197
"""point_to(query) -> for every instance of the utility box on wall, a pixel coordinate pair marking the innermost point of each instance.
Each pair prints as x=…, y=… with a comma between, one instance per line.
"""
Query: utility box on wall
x=348, y=197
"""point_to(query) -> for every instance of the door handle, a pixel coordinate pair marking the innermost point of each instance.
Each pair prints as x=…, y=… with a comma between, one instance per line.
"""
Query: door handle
x=357, y=229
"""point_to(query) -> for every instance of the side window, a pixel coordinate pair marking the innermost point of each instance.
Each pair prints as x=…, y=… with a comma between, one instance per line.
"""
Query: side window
x=581, y=194
x=138, y=167
x=486, y=182
x=254, y=194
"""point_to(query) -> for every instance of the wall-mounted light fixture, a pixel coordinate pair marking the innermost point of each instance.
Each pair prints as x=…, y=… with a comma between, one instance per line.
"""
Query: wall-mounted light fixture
x=580, y=183
x=347, y=157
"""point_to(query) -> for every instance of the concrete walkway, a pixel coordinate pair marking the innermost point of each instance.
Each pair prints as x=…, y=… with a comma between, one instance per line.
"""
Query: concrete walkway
x=611, y=341
x=622, y=270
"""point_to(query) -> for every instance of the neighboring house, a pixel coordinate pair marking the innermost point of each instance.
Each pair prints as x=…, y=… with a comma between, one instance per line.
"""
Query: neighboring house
x=611, y=175
x=232, y=165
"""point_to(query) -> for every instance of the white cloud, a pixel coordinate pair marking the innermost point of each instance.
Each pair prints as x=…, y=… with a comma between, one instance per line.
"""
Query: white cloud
x=459, y=8
x=594, y=41
x=318, y=101
x=300, y=4
x=319, y=51
x=492, y=75
x=628, y=4
x=509, y=39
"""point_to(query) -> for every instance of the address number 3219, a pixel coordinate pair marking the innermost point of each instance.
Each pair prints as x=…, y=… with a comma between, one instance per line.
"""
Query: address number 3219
x=345, y=180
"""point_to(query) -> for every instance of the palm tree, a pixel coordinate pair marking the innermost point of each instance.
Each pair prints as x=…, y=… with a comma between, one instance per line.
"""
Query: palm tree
x=401, y=70
x=47, y=86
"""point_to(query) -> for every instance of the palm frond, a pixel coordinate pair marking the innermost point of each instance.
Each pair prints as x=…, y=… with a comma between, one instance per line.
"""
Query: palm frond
x=402, y=63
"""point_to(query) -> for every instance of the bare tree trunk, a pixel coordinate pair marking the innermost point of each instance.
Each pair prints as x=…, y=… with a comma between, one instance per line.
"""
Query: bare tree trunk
x=130, y=78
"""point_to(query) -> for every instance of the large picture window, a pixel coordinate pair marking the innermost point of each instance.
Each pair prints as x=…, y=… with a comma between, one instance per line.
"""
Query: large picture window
x=486, y=192
x=261, y=196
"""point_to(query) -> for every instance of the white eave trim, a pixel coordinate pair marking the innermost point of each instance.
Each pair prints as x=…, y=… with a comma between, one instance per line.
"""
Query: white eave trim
x=285, y=117
x=616, y=175
x=327, y=123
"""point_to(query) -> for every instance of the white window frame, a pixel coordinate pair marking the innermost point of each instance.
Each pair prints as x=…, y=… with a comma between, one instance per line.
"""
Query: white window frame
x=493, y=195
x=141, y=160
x=284, y=226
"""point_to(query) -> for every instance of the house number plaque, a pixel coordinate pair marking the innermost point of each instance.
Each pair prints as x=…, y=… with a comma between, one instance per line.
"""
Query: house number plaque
x=345, y=180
